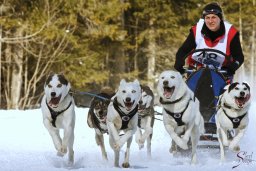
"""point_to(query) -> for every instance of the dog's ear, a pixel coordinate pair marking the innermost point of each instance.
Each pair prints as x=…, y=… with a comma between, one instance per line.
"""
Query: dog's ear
x=232, y=86
x=122, y=82
x=246, y=85
x=137, y=82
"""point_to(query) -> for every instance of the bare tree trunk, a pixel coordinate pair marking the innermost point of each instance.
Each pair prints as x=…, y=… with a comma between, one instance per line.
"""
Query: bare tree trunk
x=240, y=74
x=151, y=55
x=253, y=52
x=0, y=63
x=16, y=76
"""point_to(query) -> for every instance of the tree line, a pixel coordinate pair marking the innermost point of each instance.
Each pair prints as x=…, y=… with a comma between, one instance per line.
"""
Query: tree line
x=96, y=43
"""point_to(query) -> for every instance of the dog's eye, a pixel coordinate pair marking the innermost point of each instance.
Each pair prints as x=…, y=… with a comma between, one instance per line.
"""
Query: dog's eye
x=124, y=91
x=49, y=85
x=133, y=91
x=236, y=88
x=172, y=77
x=245, y=88
x=59, y=85
x=162, y=78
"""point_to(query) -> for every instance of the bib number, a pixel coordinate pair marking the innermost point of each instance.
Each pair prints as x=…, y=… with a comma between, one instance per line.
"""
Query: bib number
x=210, y=59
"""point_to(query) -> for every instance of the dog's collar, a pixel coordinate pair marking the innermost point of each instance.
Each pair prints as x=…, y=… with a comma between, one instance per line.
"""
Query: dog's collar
x=125, y=117
x=169, y=102
x=235, y=121
x=55, y=114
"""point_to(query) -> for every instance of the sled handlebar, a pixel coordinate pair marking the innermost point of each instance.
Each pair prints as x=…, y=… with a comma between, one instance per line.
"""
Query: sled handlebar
x=191, y=70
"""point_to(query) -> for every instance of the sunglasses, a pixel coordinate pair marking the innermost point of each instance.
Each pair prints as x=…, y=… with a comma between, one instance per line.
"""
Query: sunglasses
x=212, y=11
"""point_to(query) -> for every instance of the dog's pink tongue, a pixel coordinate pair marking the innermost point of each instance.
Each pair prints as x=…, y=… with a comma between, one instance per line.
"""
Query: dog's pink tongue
x=54, y=100
x=167, y=93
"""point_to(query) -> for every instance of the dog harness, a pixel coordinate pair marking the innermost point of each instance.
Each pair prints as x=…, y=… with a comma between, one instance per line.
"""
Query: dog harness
x=235, y=121
x=55, y=114
x=178, y=116
x=125, y=117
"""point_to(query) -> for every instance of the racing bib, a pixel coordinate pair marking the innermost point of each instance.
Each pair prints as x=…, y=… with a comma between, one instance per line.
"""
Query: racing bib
x=211, y=59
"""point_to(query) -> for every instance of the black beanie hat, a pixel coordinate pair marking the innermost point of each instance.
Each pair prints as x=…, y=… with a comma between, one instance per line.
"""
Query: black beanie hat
x=213, y=8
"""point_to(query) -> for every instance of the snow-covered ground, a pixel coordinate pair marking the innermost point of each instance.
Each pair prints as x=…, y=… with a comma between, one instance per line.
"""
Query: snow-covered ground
x=26, y=145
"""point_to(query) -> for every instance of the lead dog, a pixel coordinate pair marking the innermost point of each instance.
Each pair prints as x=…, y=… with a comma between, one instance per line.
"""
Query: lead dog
x=58, y=113
x=97, y=116
x=232, y=116
x=122, y=116
x=146, y=119
x=181, y=116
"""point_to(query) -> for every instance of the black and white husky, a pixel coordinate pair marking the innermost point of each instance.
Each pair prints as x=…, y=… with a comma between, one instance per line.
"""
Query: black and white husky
x=232, y=116
x=58, y=113
x=97, y=116
x=123, y=116
x=181, y=116
x=146, y=119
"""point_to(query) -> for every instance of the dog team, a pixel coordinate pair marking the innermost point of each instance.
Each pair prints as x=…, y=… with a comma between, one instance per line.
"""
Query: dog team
x=130, y=111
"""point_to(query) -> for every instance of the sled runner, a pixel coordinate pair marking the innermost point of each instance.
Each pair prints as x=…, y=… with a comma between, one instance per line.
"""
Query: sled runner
x=208, y=83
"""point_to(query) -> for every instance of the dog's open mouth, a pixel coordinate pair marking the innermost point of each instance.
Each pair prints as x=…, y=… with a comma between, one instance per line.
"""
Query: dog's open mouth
x=168, y=91
x=54, y=101
x=240, y=101
x=103, y=119
x=128, y=105
x=141, y=107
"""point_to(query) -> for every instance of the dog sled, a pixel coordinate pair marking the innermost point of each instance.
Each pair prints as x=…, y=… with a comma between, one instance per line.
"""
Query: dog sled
x=207, y=83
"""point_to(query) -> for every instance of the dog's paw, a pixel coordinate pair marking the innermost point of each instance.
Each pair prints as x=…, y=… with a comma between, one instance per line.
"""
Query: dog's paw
x=142, y=141
x=173, y=150
x=60, y=154
x=62, y=151
x=117, y=146
x=234, y=148
x=141, y=146
x=126, y=165
x=182, y=144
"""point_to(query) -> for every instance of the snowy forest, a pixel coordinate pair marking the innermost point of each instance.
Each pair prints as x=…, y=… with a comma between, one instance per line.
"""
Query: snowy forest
x=96, y=43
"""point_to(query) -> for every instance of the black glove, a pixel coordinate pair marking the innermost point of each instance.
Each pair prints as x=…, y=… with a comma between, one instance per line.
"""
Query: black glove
x=231, y=69
x=179, y=67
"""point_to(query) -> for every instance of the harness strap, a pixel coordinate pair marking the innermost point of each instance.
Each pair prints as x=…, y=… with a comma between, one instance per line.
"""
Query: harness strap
x=55, y=114
x=125, y=117
x=235, y=121
x=178, y=116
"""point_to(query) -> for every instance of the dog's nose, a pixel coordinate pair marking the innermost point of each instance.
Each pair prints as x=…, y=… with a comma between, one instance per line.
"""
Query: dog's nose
x=128, y=99
x=242, y=93
x=53, y=94
x=100, y=112
x=140, y=102
x=165, y=82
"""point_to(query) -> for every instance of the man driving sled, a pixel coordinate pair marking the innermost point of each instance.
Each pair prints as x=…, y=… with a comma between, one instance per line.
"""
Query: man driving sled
x=212, y=32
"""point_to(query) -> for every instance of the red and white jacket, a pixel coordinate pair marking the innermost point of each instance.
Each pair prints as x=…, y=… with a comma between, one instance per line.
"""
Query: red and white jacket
x=222, y=44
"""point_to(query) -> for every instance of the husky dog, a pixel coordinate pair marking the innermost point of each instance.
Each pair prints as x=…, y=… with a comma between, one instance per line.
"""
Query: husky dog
x=232, y=116
x=58, y=113
x=122, y=116
x=146, y=119
x=97, y=116
x=181, y=116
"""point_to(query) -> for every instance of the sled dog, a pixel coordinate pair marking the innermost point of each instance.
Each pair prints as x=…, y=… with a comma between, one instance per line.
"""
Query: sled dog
x=146, y=119
x=58, y=113
x=122, y=116
x=181, y=116
x=232, y=116
x=97, y=116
